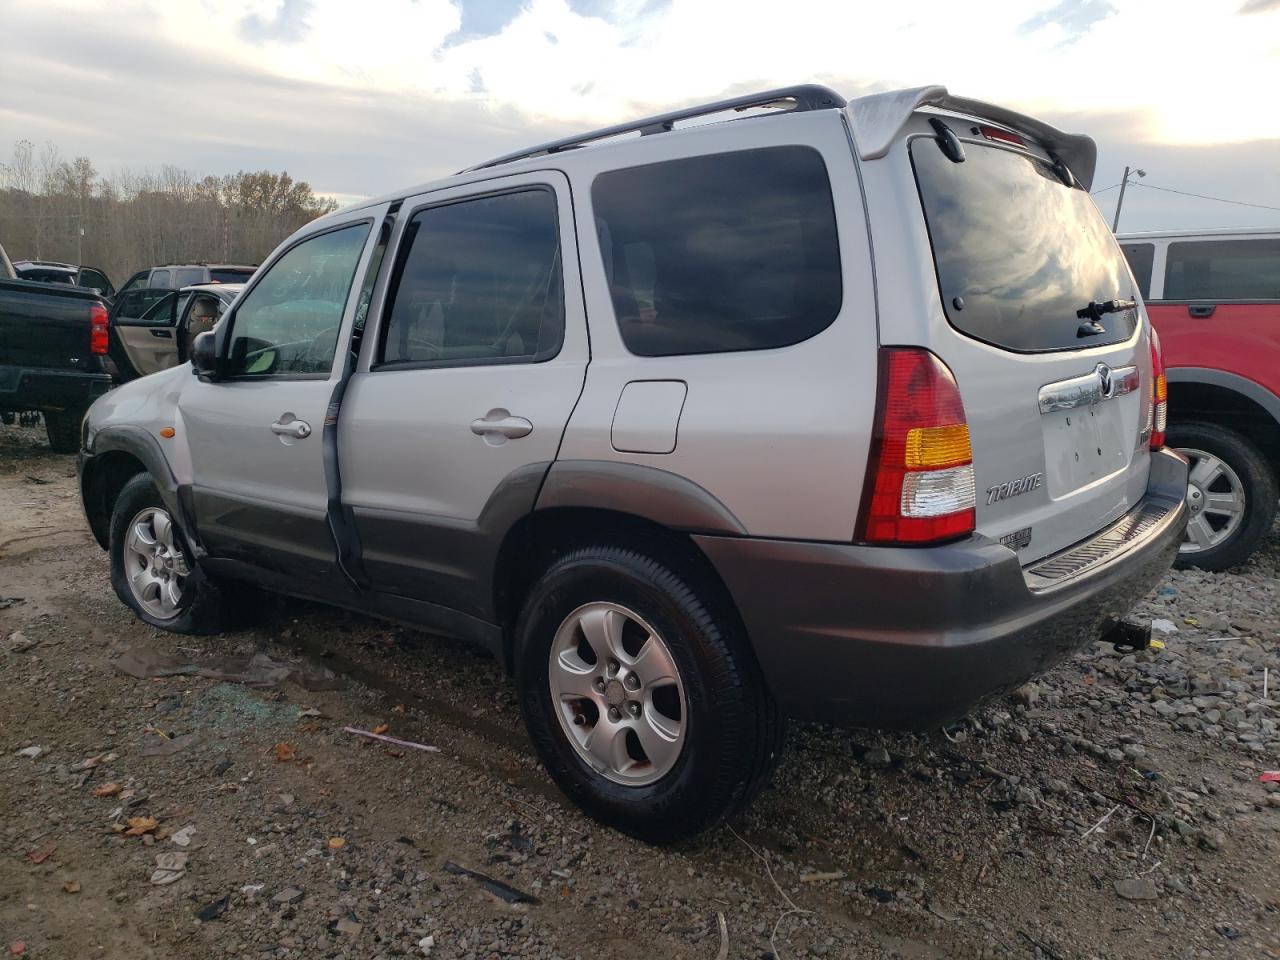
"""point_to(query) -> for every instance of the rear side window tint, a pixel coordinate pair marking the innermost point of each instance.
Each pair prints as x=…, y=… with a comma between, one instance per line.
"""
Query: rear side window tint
x=1223, y=270
x=478, y=281
x=160, y=278
x=733, y=251
x=1140, y=256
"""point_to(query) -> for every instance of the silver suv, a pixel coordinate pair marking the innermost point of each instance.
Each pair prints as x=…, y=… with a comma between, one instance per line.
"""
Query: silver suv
x=846, y=411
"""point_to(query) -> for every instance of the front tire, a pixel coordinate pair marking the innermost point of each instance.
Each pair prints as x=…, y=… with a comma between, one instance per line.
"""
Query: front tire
x=1231, y=494
x=641, y=695
x=152, y=571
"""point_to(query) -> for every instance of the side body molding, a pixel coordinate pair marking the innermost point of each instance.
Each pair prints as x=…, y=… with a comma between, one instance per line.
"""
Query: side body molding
x=657, y=495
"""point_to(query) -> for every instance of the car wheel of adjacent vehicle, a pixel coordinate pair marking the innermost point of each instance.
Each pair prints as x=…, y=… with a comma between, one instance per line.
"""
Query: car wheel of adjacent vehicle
x=152, y=571
x=1231, y=494
x=641, y=694
x=63, y=429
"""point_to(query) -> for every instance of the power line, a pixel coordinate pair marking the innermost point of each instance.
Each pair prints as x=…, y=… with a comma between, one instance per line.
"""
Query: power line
x=1201, y=196
x=1104, y=190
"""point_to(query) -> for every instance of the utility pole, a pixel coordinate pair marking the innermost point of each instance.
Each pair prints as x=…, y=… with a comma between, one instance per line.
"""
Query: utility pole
x=1115, y=224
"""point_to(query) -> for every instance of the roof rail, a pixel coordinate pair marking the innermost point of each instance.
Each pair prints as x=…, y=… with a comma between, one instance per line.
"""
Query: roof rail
x=806, y=96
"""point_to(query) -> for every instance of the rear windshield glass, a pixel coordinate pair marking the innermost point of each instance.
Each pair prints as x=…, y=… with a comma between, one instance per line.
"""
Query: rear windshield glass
x=1017, y=251
x=230, y=275
x=1223, y=270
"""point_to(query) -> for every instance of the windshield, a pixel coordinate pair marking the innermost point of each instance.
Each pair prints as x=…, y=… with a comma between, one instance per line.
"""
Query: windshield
x=1017, y=251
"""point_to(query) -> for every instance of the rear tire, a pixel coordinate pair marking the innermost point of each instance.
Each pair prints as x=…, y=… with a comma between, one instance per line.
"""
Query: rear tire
x=63, y=429
x=153, y=574
x=729, y=727
x=1217, y=541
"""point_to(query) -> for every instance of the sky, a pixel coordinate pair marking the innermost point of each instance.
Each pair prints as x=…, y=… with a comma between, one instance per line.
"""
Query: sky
x=362, y=98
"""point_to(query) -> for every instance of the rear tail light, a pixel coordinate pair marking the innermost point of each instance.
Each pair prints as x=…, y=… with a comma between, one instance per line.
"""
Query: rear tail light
x=98, y=330
x=1158, y=414
x=920, y=485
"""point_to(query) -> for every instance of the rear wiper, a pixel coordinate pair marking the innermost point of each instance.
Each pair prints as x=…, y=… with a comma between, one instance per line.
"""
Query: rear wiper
x=1095, y=311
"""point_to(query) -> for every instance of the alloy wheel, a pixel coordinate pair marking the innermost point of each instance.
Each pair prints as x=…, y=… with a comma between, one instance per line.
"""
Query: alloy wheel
x=155, y=566
x=616, y=690
x=1215, y=498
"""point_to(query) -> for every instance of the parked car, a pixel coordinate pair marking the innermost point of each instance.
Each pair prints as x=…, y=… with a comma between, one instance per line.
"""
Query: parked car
x=175, y=276
x=152, y=328
x=1214, y=297
x=53, y=338
x=53, y=271
x=788, y=476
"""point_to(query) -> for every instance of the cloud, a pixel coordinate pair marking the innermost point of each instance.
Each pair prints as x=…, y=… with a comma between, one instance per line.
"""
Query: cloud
x=1259, y=6
x=1074, y=17
x=288, y=25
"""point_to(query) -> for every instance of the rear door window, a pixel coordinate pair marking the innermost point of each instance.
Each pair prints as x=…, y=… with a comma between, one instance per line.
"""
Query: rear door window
x=1017, y=251
x=732, y=251
x=161, y=278
x=1223, y=270
x=1141, y=256
x=478, y=281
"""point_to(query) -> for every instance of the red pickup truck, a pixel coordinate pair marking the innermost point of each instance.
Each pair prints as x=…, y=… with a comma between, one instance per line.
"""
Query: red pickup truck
x=1214, y=299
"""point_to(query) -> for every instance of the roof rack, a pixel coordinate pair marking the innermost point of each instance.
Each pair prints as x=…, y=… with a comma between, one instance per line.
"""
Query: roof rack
x=807, y=96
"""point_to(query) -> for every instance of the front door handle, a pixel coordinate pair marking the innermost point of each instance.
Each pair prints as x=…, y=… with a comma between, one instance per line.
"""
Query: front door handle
x=1201, y=310
x=290, y=426
x=499, y=426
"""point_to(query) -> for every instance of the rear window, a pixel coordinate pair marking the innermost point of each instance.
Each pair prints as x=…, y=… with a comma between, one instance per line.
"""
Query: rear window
x=1017, y=251
x=230, y=274
x=1223, y=270
x=733, y=251
x=1140, y=256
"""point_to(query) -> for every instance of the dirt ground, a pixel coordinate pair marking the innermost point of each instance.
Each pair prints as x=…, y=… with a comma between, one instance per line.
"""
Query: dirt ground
x=979, y=841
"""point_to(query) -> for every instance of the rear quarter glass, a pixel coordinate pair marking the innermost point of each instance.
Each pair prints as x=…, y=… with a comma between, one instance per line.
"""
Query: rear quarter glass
x=1017, y=251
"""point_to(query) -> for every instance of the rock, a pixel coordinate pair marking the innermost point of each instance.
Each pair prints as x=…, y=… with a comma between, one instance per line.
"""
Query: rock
x=877, y=757
x=1027, y=694
x=183, y=837
x=1211, y=838
x=288, y=895
x=1056, y=787
x=1273, y=799
x=20, y=643
x=426, y=944
x=1135, y=751
x=349, y=927
x=1136, y=888
x=1115, y=756
x=30, y=752
x=1020, y=734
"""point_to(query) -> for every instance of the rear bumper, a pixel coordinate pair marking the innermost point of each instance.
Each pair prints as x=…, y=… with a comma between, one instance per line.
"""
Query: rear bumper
x=40, y=388
x=907, y=638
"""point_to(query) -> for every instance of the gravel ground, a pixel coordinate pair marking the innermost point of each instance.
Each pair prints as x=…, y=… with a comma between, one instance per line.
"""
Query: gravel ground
x=1112, y=809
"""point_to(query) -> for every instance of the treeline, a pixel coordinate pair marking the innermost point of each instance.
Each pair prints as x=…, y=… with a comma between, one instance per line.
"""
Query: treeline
x=55, y=209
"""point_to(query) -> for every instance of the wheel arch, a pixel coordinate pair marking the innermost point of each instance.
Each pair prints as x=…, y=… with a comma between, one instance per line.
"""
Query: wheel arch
x=119, y=454
x=582, y=503
x=1227, y=399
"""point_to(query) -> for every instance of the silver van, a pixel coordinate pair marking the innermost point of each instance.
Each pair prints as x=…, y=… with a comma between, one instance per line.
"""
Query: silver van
x=832, y=410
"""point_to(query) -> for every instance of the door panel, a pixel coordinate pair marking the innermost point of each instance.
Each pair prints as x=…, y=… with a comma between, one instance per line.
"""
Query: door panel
x=149, y=348
x=444, y=446
x=256, y=434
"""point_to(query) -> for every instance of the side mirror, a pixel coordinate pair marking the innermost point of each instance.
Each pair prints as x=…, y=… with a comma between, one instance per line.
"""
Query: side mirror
x=204, y=355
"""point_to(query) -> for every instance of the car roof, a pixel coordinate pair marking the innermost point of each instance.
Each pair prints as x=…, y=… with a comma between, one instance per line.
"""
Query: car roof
x=44, y=265
x=1202, y=232
x=227, y=291
x=211, y=266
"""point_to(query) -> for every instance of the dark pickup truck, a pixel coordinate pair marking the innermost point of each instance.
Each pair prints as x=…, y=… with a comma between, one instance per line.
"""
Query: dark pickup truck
x=53, y=343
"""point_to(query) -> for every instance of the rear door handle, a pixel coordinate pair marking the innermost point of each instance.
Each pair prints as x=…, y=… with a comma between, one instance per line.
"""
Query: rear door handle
x=498, y=426
x=1202, y=310
x=291, y=427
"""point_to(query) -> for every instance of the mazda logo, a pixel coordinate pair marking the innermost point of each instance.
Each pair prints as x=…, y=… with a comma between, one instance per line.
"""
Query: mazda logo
x=1105, y=383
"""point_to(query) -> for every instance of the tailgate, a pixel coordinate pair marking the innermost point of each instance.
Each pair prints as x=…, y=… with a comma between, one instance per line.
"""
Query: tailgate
x=1043, y=330
x=44, y=325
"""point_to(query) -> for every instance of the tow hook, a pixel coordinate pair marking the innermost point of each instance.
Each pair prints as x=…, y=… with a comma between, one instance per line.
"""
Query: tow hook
x=1128, y=637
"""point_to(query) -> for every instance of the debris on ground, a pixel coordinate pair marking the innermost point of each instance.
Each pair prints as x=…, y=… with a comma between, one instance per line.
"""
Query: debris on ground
x=137, y=826
x=183, y=837
x=258, y=670
x=30, y=752
x=374, y=735
x=71, y=886
x=170, y=867
x=40, y=854
x=213, y=910
x=1136, y=888
x=503, y=891
x=19, y=642
x=822, y=877
x=107, y=790
x=1161, y=625
x=157, y=744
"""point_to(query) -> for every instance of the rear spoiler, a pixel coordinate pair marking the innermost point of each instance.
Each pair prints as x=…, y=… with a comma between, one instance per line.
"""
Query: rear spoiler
x=877, y=120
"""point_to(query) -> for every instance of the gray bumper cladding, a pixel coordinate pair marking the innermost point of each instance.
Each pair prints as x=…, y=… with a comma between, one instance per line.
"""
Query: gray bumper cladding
x=907, y=638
